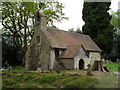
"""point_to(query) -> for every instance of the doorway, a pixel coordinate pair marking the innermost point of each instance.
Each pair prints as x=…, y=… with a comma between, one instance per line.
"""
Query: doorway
x=81, y=64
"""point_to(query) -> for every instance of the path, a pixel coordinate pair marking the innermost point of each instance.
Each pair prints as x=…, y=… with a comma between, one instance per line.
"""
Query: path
x=106, y=80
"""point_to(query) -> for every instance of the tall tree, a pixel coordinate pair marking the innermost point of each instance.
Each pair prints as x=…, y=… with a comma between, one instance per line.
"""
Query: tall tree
x=18, y=19
x=10, y=53
x=97, y=24
x=115, y=21
x=75, y=31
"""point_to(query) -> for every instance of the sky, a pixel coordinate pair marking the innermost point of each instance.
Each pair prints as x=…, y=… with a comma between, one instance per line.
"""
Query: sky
x=73, y=10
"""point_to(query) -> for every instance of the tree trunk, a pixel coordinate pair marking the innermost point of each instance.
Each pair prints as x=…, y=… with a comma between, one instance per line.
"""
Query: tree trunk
x=97, y=66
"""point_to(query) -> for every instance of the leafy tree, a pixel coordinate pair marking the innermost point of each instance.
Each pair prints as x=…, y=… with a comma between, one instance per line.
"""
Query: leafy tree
x=71, y=30
x=10, y=52
x=76, y=31
x=18, y=19
x=115, y=21
x=97, y=24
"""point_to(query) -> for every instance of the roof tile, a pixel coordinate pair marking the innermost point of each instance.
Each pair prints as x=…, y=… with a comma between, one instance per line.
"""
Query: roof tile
x=63, y=39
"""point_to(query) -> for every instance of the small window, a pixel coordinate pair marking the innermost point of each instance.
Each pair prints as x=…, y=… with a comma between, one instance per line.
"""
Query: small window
x=38, y=40
x=56, y=52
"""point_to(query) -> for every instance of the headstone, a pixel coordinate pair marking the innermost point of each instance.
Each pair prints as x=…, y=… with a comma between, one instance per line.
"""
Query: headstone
x=107, y=61
x=39, y=69
x=110, y=62
x=10, y=68
x=6, y=65
x=118, y=61
x=103, y=61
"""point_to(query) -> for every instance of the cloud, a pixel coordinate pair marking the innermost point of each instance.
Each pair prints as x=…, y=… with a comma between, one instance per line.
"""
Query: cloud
x=73, y=10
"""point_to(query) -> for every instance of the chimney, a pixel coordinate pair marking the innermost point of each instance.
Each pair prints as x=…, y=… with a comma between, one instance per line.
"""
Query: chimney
x=40, y=22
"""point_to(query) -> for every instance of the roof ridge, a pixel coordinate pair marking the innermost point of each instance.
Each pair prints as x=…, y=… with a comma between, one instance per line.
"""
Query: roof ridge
x=66, y=31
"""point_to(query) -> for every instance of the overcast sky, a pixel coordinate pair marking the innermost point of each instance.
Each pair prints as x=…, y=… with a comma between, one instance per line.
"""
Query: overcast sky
x=73, y=10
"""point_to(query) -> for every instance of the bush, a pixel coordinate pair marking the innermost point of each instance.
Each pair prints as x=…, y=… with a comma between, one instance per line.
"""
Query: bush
x=10, y=53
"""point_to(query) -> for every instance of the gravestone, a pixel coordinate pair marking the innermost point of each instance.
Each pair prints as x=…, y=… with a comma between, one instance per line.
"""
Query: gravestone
x=118, y=60
x=103, y=61
x=106, y=61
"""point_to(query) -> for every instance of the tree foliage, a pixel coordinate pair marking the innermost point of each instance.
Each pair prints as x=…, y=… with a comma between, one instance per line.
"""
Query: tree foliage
x=18, y=19
x=75, y=31
x=19, y=22
x=10, y=52
x=97, y=24
x=115, y=21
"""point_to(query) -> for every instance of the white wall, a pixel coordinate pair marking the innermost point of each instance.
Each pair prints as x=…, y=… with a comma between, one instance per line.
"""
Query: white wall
x=76, y=62
x=81, y=55
x=93, y=56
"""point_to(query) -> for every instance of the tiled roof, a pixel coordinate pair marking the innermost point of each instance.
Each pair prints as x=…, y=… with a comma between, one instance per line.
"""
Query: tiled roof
x=70, y=52
x=63, y=39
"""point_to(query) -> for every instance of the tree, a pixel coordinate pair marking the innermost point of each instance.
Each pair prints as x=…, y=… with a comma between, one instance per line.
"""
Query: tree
x=75, y=31
x=10, y=52
x=97, y=24
x=78, y=30
x=115, y=21
x=18, y=19
x=71, y=30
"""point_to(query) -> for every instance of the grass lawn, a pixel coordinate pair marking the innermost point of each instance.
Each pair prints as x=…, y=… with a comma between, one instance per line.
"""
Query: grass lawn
x=106, y=80
x=16, y=69
x=20, y=78
x=35, y=79
x=113, y=66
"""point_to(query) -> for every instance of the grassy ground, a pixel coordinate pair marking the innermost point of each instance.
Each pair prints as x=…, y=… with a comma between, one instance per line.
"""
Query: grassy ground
x=113, y=66
x=16, y=69
x=37, y=79
x=106, y=80
x=20, y=78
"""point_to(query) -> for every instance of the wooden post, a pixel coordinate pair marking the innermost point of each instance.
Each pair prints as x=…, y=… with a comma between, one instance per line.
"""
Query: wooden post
x=97, y=66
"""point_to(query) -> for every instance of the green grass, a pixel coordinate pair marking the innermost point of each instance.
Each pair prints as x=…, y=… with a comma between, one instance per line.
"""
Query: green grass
x=35, y=79
x=106, y=80
x=20, y=78
x=73, y=71
x=113, y=66
x=16, y=69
